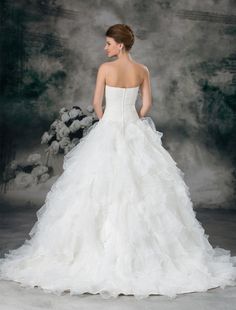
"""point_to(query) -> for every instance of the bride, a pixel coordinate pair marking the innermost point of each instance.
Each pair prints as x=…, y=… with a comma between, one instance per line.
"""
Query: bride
x=119, y=219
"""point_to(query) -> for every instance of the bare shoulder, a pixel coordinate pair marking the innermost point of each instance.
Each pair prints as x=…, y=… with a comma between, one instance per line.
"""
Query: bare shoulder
x=144, y=68
x=103, y=66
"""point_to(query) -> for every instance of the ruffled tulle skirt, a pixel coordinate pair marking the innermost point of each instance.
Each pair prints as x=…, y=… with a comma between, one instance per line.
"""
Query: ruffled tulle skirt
x=119, y=220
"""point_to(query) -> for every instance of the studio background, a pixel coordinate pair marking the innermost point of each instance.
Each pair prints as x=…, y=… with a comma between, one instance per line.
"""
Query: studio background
x=50, y=53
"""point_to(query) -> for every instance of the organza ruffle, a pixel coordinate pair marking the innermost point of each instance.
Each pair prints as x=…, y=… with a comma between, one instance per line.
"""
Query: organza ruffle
x=119, y=220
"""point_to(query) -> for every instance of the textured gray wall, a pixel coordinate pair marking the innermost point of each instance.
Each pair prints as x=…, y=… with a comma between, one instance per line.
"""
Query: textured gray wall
x=52, y=49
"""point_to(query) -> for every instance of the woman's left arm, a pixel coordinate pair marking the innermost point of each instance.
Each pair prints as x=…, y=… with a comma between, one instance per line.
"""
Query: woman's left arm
x=99, y=90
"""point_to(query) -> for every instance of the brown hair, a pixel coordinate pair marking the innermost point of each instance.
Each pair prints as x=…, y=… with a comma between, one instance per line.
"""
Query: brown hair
x=121, y=33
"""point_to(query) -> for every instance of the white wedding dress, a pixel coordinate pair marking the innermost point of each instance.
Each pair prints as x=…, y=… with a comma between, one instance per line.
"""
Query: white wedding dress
x=119, y=219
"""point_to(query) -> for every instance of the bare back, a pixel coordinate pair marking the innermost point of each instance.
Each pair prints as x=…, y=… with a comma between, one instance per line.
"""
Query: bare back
x=124, y=74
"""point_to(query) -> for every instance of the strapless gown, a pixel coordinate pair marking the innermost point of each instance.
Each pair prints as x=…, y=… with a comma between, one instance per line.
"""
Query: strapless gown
x=119, y=219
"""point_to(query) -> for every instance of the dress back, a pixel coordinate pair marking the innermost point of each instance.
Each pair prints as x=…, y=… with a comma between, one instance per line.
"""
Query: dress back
x=120, y=104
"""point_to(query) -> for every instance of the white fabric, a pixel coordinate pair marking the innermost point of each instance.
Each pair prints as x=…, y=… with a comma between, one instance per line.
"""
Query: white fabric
x=119, y=219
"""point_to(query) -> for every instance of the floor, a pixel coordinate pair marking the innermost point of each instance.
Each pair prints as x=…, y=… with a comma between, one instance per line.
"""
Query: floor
x=15, y=223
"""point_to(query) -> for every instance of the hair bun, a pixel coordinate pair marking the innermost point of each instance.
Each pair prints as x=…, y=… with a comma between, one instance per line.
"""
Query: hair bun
x=122, y=33
x=130, y=30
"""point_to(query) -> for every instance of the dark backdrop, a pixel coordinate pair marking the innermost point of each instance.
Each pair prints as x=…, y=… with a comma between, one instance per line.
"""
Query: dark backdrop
x=50, y=52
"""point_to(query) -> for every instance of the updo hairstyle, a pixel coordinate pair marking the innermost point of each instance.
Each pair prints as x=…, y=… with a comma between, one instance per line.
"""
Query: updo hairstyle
x=121, y=33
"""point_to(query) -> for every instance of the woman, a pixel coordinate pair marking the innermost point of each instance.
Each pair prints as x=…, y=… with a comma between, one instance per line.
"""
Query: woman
x=119, y=220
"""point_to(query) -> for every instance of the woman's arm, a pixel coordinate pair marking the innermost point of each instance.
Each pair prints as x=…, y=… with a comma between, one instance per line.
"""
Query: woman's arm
x=146, y=94
x=99, y=90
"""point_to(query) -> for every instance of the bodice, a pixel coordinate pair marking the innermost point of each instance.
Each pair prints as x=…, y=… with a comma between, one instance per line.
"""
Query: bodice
x=120, y=104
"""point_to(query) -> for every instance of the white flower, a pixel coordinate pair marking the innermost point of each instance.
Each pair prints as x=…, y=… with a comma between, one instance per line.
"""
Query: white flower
x=39, y=170
x=34, y=159
x=54, y=147
x=62, y=110
x=65, y=117
x=94, y=115
x=75, y=141
x=75, y=125
x=64, y=142
x=56, y=124
x=23, y=180
x=46, y=137
x=60, y=125
x=73, y=113
x=86, y=121
x=90, y=108
x=62, y=132
x=52, y=131
x=44, y=177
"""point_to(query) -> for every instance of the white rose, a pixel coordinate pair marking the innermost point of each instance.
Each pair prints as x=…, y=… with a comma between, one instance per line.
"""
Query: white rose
x=62, y=132
x=94, y=115
x=75, y=141
x=44, y=177
x=54, y=147
x=59, y=127
x=75, y=125
x=56, y=124
x=34, y=159
x=64, y=142
x=65, y=117
x=39, y=170
x=62, y=110
x=73, y=113
x=86, y=121
x=90, y=108
x=23, y=180
x=46, y=137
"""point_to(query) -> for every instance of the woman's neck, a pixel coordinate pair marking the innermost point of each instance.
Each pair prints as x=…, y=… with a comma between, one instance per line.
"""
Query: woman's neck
x=124, y=56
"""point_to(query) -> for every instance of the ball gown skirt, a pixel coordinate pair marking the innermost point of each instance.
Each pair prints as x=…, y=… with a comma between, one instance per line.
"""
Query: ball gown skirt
x=119, y=219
